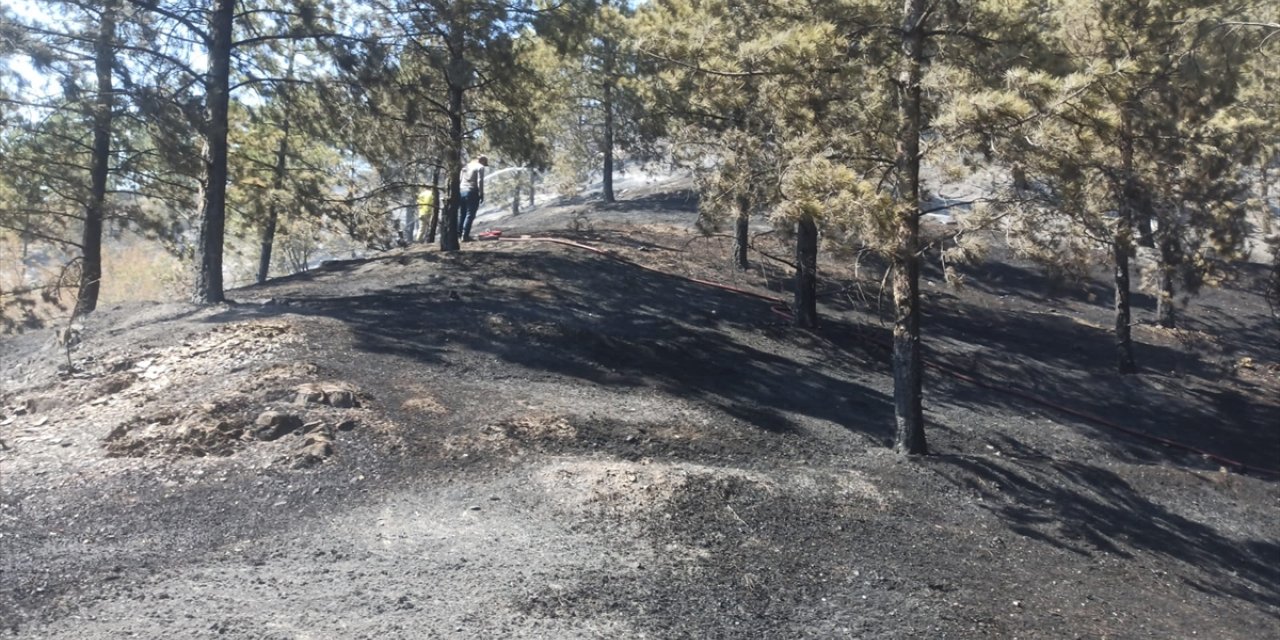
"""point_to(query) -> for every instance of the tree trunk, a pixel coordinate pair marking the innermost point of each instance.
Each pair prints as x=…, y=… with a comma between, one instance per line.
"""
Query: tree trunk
x=741, y=237
x=607, y=105
x=1144, y=213
x=1168, y=258
x=435, y=205
x=213, y=202
x=453, y=166
x=533, y=185
x=908, y=370
x=273, y=210
x=91, y=240
x=515, y=200
x=1122, y=249
x=806, y=294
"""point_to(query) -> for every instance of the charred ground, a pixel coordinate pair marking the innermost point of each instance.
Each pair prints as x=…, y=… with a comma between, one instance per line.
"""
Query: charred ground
x=524, y=439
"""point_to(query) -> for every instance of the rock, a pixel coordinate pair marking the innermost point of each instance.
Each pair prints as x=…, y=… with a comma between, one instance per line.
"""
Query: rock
x=332, y=394
x=272, y=425
x=312, y=454
x=347, y=425
x=342, y=399
x=309, y=396
x=317, y=447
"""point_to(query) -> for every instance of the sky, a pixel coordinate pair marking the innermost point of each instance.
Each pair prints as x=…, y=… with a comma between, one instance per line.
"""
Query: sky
x=40, y=85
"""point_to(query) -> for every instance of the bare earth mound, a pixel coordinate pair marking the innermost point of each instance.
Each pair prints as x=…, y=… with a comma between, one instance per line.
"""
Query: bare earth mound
x=528, y=440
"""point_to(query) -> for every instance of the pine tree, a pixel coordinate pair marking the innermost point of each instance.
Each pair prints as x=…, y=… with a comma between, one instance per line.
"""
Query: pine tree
x=592, y=78
x=730, y=73
x=1137, y=125
x=461, y=62
x=60, y=153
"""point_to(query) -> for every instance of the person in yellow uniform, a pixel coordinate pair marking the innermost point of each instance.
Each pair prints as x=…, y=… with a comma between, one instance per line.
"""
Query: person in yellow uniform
x=426, y=206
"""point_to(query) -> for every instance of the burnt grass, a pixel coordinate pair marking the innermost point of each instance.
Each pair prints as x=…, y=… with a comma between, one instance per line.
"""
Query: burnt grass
x=623, y=452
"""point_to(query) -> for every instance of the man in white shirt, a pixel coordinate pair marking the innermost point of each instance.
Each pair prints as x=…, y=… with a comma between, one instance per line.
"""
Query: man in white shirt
x=472, y=181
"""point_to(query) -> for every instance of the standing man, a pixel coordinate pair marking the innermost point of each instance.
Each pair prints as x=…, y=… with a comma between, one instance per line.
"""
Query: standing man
x=472, y=181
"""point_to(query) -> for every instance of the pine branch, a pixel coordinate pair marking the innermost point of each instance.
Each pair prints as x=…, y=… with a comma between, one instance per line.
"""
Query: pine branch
x=154, y=7
x=37, y=234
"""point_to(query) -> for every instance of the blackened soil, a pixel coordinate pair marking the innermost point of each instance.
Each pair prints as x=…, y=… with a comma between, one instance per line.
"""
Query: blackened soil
x=552, y=443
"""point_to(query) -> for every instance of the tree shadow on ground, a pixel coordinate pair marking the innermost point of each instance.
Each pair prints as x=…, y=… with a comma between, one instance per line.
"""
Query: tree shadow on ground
x=1034, y=284
x=600, y=321
x=1088, y=510
x=685, y=201
x=1069, y=364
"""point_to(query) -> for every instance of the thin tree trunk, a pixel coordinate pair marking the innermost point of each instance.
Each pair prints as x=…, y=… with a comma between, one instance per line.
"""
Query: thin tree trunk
x=607, y=105
x=453, y=165
x=806, y=294
x=91, y=240
x=435, y=205
x=1122, y=249
x=515, y=200
x=741, y=237
x=268, y=242
x=273, y=210
x=1144, y=213
x=1168, y=256
x=213, y=204
x=533, y=185
x=908, y=370
x=1267, y=211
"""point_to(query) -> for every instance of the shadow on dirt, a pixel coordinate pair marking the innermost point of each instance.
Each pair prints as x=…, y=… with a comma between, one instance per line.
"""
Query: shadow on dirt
x=1070, y=365
x=602, y=322
x=665, y=202
x=1088, y=510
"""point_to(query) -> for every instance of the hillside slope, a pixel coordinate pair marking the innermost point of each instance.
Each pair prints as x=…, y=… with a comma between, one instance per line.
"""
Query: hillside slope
x=531, y=440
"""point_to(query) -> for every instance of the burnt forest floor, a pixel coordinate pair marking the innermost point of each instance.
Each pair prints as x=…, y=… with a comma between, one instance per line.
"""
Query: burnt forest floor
x=531, y=440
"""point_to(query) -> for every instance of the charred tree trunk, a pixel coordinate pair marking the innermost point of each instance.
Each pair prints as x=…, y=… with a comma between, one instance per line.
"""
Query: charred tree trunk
x=273, y=209
x=908, y=370
x=515, y=200
x=435, y=205
x=213, y=202
x=806, y=294
x=533, y=185
x=1122, y=249
x=453, y=155
x=607, y=105
x=1146, y=236
x=91, y=240
x=1143, y=209
x=741, y=231
x=1168, y=256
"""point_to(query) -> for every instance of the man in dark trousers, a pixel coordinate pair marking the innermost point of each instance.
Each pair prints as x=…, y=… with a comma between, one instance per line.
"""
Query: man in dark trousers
x=472, y=181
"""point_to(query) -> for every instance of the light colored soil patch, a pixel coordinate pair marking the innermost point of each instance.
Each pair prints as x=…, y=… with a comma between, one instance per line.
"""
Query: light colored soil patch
x=515, y=432
x=424, y=404
x=627, y=487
